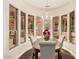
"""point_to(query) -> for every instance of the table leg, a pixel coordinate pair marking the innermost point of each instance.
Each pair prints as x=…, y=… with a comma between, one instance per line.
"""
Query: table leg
x=36, y=54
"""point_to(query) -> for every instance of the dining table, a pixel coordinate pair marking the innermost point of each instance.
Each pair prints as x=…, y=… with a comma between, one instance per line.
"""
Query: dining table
x=36, y=46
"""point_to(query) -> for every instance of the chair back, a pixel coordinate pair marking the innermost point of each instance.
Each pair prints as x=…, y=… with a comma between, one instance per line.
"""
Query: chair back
x=47, y=50
x=31, y=40
x=61, y=44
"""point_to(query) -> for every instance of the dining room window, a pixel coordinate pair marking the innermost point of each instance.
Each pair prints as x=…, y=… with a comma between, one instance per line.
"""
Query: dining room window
x=23, y=27
x=64, y=26
x=30, y=25
x=47, y=22
x=55, y=27
x=13, y=30
x=39, y=26
x=72, y=27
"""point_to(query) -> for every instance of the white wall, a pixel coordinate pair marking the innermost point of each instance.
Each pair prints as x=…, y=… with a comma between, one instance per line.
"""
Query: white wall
x=20, y=4
x=65, y=9
x=21, y=48
x=5, y=30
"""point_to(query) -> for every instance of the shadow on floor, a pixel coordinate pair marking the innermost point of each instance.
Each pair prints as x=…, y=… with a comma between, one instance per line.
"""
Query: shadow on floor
x=65, y=55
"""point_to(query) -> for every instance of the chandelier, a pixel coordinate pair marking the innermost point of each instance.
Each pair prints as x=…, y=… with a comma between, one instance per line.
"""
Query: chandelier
x=46, y=9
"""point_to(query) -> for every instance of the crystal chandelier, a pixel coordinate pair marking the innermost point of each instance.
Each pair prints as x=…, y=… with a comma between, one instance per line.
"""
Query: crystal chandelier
x=46, y=9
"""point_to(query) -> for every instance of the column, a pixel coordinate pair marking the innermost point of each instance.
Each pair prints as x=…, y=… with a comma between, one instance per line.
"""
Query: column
x=35, y=27
x=51, y=27
x=19, y=27
x=43, y=25
x=59, y=27
x=26, y=27
x=68, y=27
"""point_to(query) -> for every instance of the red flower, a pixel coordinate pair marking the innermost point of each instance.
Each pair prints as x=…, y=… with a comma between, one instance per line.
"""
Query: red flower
x=46, y=32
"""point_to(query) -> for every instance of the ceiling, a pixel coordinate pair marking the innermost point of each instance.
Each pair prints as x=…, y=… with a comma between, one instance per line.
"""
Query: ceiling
x=43, y=3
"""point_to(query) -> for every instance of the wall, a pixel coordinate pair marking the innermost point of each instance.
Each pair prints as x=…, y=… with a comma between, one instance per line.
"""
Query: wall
x=16, y=52
x=21, y=48
x=5, y=30
x=65, y=9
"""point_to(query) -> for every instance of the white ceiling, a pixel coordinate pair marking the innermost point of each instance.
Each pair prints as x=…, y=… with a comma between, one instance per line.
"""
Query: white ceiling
x=51, y=3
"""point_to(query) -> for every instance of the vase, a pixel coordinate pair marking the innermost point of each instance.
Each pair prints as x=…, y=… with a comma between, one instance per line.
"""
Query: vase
x=46, y=38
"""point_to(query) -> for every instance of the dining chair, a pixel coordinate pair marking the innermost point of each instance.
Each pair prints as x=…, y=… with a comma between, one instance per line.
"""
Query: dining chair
x=47, y=50
x=60, y=48
x=33, y=55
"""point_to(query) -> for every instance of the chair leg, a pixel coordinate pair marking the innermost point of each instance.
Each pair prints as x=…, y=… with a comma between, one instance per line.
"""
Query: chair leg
x=59, y=54
x=36, y=55
x=33, y=56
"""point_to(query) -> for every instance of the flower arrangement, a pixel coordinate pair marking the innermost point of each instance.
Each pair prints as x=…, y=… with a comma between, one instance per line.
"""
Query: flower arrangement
x=46, y=34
